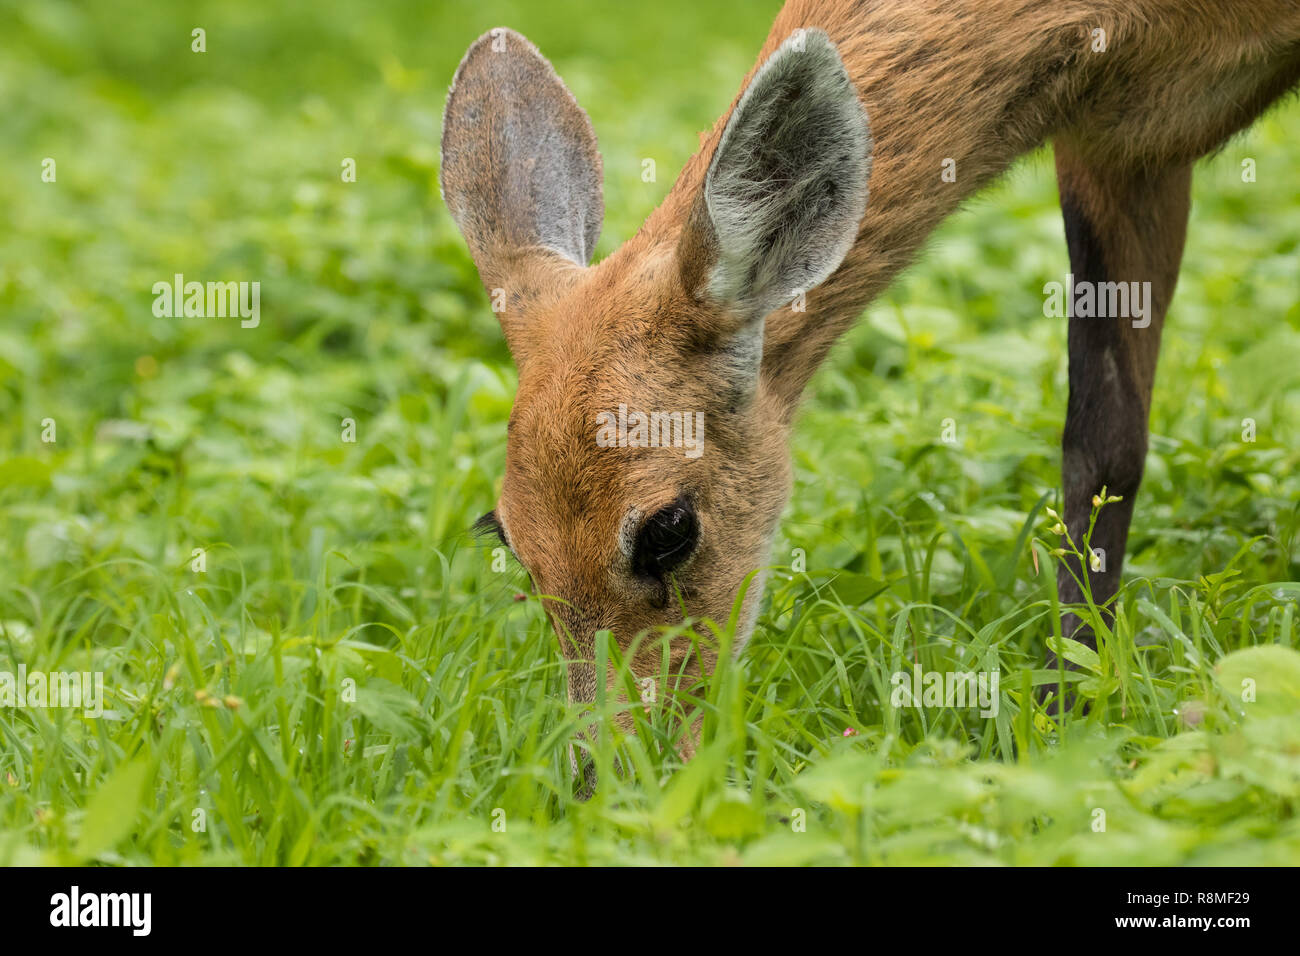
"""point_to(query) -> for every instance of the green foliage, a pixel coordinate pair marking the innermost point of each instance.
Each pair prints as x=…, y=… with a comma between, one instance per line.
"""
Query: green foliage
x=349, y=681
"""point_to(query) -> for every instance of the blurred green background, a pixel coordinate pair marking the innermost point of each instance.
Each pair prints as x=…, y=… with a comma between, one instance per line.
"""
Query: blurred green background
x=330, y=561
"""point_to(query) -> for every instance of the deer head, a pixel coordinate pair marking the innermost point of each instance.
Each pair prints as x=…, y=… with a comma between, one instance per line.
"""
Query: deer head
x=647, y=460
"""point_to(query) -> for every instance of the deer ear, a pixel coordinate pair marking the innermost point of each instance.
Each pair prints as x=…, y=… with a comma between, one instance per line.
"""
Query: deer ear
x=787, y=186
x=520, y=170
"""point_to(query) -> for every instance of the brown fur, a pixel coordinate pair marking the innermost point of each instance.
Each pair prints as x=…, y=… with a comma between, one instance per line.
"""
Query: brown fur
x=977, y=81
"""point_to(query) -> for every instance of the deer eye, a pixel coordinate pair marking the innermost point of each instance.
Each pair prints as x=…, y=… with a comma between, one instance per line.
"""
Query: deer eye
x=667, y=539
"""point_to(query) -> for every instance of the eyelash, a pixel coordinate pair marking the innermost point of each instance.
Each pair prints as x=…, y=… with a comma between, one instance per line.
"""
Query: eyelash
x=490, y=524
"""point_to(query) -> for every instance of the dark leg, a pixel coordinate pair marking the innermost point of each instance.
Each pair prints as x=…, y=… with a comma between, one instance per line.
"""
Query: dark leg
x=1120, y=227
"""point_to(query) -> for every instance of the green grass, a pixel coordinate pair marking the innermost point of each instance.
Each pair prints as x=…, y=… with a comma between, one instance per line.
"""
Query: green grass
x=350, y=680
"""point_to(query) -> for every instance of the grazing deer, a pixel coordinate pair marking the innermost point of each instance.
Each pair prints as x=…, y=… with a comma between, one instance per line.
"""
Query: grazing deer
x=693, y=314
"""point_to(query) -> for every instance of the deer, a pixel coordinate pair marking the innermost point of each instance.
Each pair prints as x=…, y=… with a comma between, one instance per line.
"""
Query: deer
x=819, y=184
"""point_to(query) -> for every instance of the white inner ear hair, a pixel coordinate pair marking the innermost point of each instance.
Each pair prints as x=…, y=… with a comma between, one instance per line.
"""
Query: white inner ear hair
x=787, y=187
